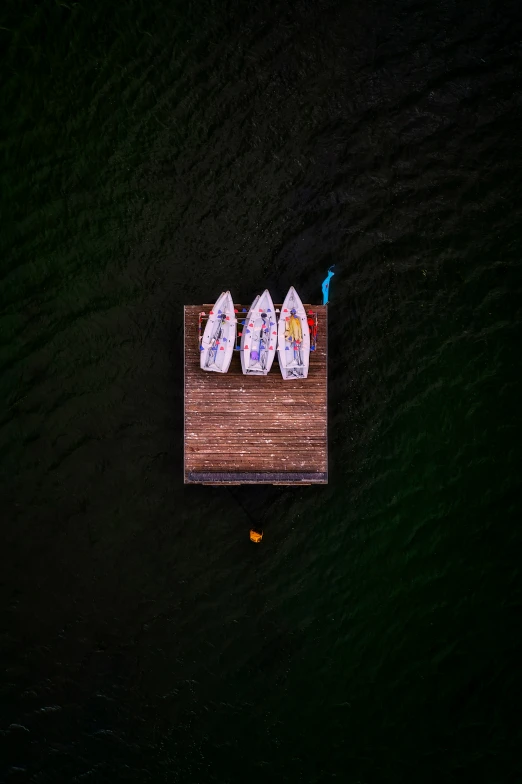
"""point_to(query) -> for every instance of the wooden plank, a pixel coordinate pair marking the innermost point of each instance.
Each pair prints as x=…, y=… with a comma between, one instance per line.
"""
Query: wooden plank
x=286, y=443
x=257, y=477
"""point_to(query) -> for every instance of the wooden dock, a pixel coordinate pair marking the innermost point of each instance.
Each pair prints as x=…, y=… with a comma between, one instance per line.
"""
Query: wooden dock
x=255, y=429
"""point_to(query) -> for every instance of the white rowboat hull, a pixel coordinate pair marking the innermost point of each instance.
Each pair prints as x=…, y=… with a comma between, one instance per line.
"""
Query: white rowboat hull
x=219, y=337
x=294, y=355
x=259, y=338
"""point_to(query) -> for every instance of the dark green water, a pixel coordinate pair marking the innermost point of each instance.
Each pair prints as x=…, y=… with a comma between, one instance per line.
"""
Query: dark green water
x=153, y=154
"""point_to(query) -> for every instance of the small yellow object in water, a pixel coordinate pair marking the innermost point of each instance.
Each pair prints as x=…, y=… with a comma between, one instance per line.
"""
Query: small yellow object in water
x=255, y=536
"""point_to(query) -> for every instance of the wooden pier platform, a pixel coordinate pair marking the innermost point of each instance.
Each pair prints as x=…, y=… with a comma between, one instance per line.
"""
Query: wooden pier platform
x=255, y=429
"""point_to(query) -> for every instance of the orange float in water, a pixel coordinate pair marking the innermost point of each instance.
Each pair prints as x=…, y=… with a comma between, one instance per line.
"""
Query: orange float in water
x=255, y=536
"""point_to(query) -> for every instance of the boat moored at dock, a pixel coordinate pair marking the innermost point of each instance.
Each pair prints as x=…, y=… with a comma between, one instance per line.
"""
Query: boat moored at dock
x=293, y=338
x=259, y=336
x=219, y=337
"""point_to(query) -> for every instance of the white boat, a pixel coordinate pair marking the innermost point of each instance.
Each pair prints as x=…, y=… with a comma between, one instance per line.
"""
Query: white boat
x=293, y=337
x=219, y=337
x=259, y=338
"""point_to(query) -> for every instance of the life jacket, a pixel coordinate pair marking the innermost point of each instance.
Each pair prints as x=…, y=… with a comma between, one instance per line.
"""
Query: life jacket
x=312, y=326
x=293, y=329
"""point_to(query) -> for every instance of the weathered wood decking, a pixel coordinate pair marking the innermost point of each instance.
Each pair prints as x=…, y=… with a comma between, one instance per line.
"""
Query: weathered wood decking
x=253, y=429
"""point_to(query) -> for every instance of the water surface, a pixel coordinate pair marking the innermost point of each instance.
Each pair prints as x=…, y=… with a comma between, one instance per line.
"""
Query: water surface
x=153, y=155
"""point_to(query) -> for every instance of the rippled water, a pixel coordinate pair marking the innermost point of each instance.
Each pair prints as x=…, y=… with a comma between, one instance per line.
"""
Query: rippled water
x=151, y=156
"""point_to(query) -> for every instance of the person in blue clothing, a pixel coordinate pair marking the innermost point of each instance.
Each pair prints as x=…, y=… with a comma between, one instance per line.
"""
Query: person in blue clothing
x=326, y=286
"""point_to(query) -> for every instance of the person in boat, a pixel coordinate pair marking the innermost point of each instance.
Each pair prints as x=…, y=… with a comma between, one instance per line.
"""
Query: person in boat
x=293, y=329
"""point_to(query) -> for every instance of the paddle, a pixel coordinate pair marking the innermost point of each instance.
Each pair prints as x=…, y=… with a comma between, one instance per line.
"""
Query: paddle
x=266, y=329
x=298, y=358
x=263, y=343
x=214, y=345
